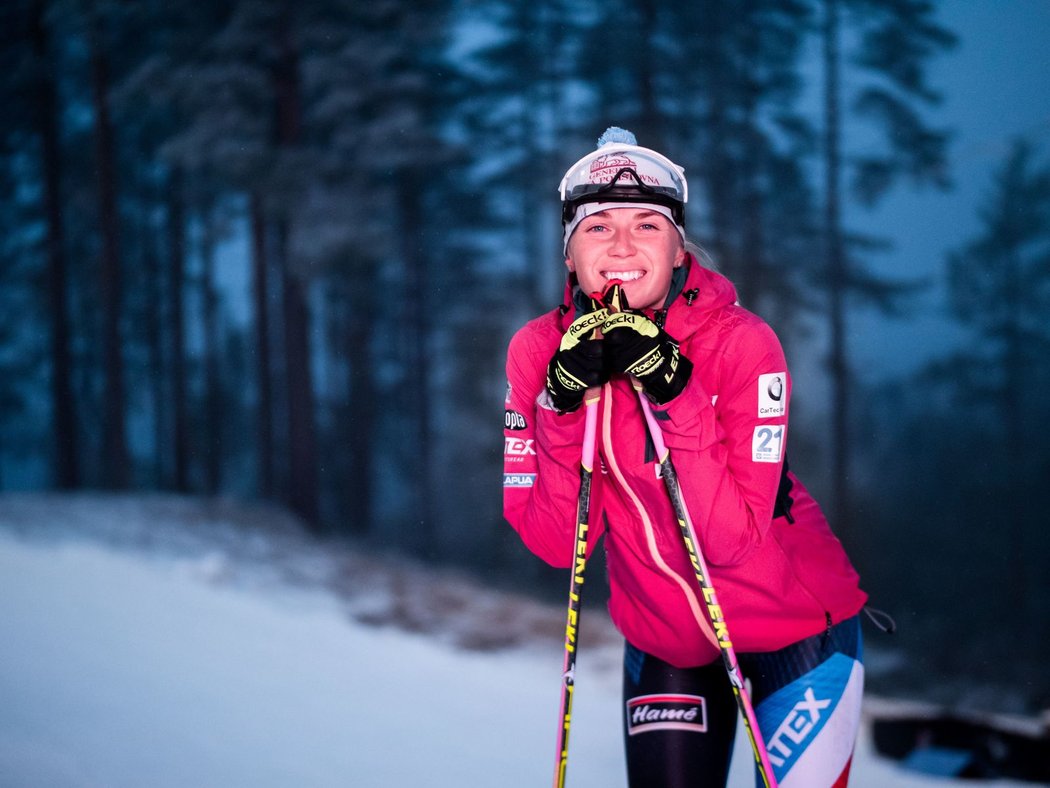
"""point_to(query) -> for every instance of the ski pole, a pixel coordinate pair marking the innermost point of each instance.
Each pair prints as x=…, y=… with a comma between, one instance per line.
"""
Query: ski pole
x=714, y=610
x=568, y=678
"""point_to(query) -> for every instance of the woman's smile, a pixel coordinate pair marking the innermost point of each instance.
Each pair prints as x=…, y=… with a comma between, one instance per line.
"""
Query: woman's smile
x=637, y=246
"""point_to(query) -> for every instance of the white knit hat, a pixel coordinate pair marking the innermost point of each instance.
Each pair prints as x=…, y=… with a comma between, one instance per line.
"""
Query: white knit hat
x=621, y=172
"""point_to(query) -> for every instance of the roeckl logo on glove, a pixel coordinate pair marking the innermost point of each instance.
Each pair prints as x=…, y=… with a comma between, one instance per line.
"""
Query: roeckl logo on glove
x=568, y=381
x=587, y=321
x=646, y=363
x=643, y=326
x=582, y=326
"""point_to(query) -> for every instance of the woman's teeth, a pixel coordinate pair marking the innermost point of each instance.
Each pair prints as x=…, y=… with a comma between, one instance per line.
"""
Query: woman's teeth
x=623, y=276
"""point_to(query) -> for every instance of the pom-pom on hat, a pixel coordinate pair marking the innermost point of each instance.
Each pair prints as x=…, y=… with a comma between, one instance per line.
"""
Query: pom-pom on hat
x=621, y=172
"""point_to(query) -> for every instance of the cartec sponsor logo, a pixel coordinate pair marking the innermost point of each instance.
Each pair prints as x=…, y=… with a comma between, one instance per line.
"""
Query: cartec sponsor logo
x=519, y=479
x=666, y=712
x=771, y=395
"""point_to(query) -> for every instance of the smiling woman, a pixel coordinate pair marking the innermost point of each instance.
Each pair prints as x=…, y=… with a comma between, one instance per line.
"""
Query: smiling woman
x=632, y=245
x=641, y=314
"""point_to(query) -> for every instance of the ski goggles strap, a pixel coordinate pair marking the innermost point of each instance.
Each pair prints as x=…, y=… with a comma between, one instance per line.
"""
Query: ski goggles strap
x=608, y=170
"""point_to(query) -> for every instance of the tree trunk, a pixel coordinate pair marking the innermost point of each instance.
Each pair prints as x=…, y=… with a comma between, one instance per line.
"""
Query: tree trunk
x=302, y=439
x=261, y=300
x=1016, y=374
x=63, y=404
x=177, y=274
x=649, y=126
x=719, y=171
x=752, y=245
x=154, y=335
x=837, y=274
x=529, y=127
x=362, y=416
x=419, y=359
x=213, y=410
x=115, y=458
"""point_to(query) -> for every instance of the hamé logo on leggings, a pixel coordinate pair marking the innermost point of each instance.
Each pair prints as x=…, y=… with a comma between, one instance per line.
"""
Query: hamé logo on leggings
x=666, y=712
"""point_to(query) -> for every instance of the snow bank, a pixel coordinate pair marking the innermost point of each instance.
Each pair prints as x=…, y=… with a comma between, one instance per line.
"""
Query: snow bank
x=168, y=642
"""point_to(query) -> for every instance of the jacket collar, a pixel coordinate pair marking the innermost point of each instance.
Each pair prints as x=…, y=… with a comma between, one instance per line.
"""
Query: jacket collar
x=695, y=291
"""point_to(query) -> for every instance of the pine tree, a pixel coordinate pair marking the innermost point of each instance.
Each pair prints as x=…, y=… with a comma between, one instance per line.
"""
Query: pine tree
x=896, y=41
x=34, y=221
x=524, y=105
x=999, y=286
x=718, y=86
x=63, y=406
x=238, y=100
x=957, y=453
x=115, y=459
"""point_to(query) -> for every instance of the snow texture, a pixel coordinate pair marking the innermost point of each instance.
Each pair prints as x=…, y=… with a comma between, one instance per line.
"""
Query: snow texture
x=160, y=641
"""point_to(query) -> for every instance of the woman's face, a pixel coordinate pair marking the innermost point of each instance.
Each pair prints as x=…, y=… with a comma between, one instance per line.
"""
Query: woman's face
x=637, y=246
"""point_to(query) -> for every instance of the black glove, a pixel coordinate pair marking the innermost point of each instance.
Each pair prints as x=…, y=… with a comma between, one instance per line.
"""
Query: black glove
x=578, y=363
x=635, y=345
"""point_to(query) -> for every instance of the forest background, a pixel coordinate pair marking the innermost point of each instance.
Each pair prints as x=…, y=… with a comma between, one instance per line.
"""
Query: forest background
x=275, y=250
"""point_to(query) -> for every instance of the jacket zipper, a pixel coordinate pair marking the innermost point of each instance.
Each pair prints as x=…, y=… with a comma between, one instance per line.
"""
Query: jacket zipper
x=683, y=584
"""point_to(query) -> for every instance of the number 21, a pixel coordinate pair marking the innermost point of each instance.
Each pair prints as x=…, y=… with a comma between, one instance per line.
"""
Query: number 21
x=766, y=434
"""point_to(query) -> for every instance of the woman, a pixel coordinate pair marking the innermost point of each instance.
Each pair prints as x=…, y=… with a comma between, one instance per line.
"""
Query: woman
x=640, y=305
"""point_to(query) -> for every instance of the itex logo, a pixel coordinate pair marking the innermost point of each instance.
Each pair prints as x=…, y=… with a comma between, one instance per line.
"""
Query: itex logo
x=801, y=722
x=516, y=449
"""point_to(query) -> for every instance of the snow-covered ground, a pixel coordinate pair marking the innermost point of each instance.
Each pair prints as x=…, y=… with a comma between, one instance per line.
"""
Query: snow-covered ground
x=156, y=641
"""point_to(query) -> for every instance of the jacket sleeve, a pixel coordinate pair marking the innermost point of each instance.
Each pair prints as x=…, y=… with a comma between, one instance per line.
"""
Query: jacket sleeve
x=728, y=449
x=541, y=456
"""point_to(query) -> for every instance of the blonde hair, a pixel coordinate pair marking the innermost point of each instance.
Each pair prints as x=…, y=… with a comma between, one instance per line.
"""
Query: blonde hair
x=700, y=255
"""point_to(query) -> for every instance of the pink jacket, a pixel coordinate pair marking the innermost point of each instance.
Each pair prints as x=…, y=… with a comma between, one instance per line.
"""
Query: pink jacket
x=778, y=579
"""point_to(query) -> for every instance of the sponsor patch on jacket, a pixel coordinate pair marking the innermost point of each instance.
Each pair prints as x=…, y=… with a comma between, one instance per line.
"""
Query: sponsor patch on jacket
x=517, y=449
x=512, y=420
x=772, y=391
x=519, y=479
x=666, y=712
x=767, y=444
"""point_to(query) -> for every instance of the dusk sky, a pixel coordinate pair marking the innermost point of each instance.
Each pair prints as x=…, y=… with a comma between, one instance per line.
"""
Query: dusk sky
x=996, y=88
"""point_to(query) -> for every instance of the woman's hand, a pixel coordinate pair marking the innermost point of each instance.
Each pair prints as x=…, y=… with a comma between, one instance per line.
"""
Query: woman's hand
x=636, y=346
x=578, y=363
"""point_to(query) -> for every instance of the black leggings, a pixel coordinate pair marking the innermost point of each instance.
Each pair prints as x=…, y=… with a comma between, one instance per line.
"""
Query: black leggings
x=680, y=723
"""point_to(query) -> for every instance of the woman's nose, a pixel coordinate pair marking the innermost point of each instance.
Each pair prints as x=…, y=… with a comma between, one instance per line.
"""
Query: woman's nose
x=622, y=245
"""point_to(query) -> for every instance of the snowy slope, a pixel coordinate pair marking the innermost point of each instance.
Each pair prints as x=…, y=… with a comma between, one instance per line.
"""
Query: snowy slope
x=167, y=642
